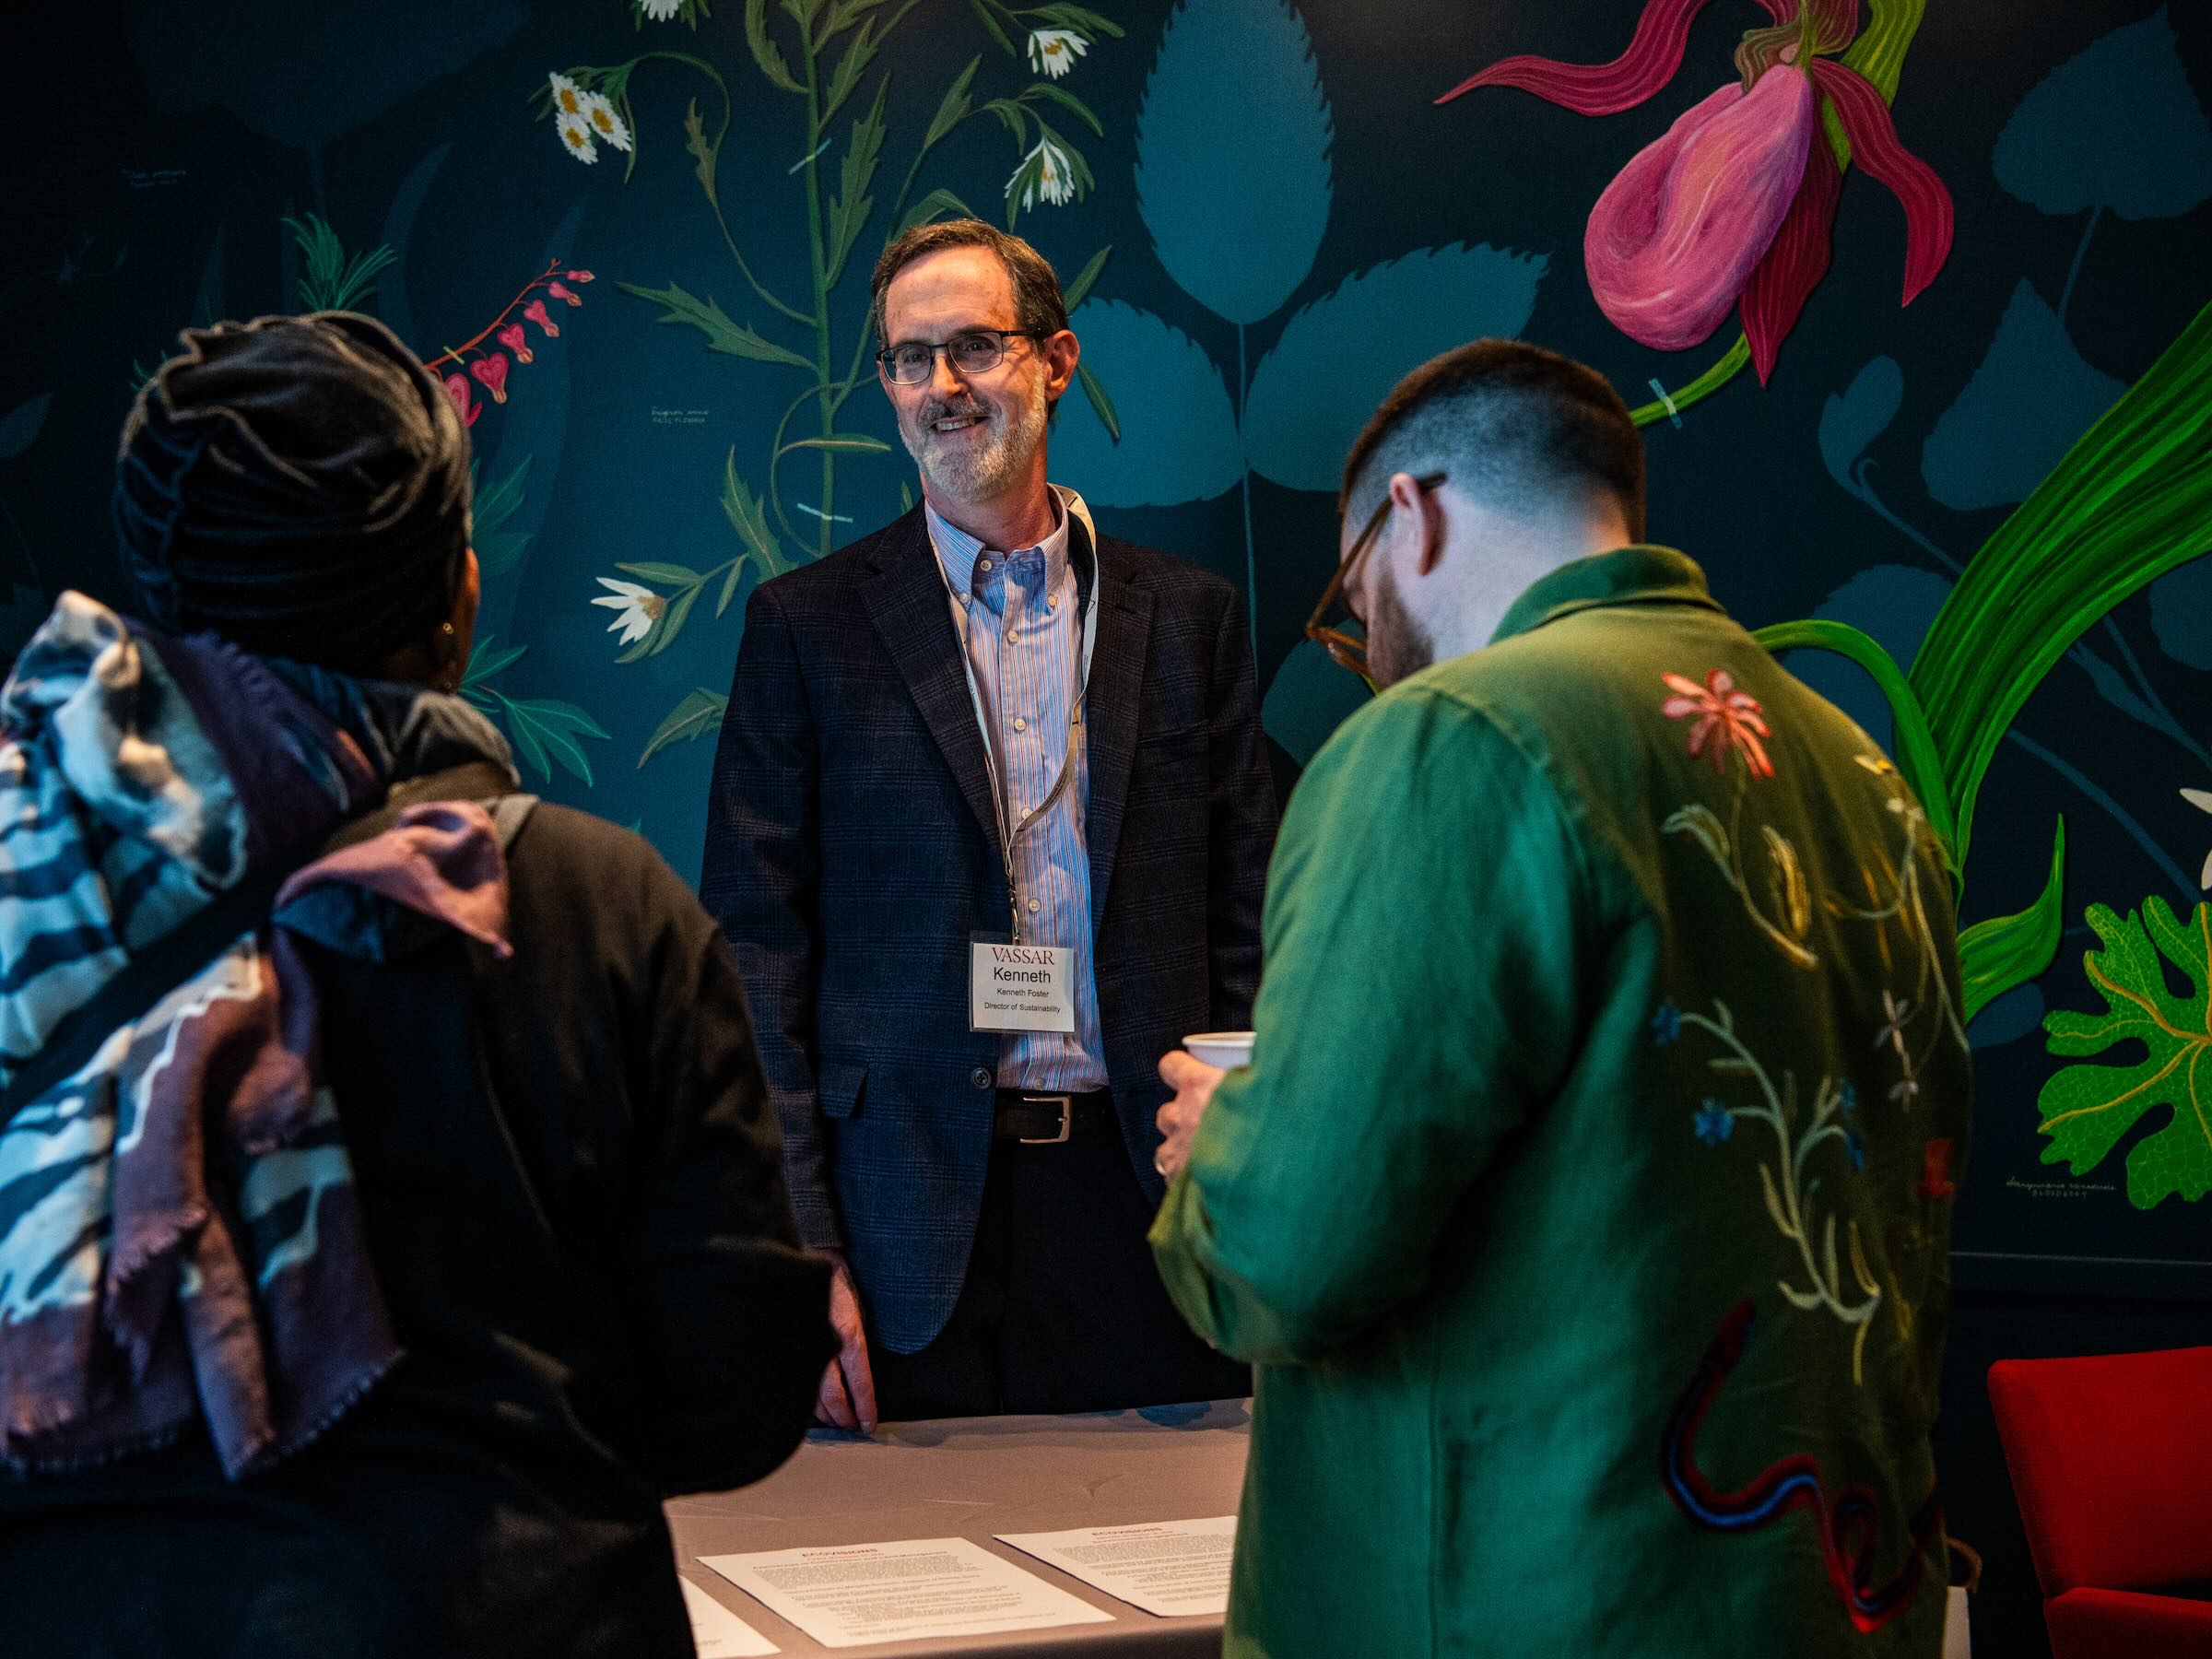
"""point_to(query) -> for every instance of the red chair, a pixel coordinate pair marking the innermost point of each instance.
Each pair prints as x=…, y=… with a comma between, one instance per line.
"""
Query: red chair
x=2112, y=1464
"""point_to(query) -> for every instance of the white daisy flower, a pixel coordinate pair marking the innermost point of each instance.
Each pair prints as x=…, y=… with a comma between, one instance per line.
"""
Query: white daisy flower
x=1045, y=172
x=641, y=608
x=568, y=97
x=660, y=11
x=576, y=138
x=1054, y=52
x=605, y=122
x=2202, y=800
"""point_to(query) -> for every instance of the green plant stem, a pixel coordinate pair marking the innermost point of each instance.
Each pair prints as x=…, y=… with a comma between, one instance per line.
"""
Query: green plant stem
x=1731, y=364
x=776, y=451
x=714, y=195
x=818, y=264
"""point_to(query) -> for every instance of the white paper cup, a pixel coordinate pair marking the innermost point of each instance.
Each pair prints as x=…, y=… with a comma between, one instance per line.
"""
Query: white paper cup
x=1227, y=1050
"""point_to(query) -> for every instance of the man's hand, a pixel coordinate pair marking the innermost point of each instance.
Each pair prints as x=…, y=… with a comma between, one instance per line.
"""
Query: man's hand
x=847, y=1396
x=1192, y=1081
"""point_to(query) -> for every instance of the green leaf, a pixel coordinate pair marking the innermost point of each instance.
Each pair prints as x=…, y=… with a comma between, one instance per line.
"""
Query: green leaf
x=858, y=54
x=955, y=107
x=672, y=623
x=929, y=207
x=848, y=209
x=1062, y=96
x=543, y=726
x=1100, y=403
x=674, y=576
x=2005, y=951
x=1075, y=16
x=991, y=25
x=696, y=144
x=2086, y=1108
x=729, y=582
x=749, y=516
x=842, y=443
x=2131, y=501
x=498, y=549
x=1702, y=825
x=723, y=334
x=1080, y=290
x=1917, y=757
x=698, y=713
x=765, y=52
x=484, y=662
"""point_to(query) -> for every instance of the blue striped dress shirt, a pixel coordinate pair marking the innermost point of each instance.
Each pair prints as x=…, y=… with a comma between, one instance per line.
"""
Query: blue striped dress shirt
x=1025, y=647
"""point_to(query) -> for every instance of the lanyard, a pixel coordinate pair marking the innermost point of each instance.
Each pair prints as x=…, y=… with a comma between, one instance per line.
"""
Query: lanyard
x=1087, y=619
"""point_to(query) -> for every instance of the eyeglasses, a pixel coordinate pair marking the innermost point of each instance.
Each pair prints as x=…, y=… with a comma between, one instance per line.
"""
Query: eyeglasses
x=911, y=362
x=1345, y=649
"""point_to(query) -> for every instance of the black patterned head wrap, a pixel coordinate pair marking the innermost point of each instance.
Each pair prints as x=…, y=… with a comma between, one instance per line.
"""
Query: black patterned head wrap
x=298, y=485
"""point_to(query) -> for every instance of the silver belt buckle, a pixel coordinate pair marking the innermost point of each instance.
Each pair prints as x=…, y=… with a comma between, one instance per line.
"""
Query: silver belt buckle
x=1066, y=1105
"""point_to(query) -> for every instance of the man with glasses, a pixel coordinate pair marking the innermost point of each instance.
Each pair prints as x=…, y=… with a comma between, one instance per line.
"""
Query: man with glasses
x=988, y=829
x=1586, y=1203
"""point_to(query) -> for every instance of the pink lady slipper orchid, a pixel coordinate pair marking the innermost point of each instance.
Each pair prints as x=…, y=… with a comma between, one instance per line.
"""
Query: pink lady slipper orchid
x=464, y=398
x=536, y=312
x=1735, y=204
x=515, y=341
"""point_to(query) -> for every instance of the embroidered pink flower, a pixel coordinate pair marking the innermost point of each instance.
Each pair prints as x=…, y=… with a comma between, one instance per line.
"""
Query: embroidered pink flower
x=536, y=312
x=1727, y=719
x=1737, y=201
x=515, y=341
x=493, y=371
x=464, y=398
x=560, y=290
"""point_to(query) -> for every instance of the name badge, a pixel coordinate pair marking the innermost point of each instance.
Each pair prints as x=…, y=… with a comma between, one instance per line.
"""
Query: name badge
x=1020, y=987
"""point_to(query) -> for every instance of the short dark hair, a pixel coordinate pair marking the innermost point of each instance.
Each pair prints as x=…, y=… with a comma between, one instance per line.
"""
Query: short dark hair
x=1509, y=421
x=1038, y=305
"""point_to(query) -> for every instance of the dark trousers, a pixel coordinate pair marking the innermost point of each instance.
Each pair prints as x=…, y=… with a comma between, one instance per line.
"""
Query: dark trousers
x=1062, y=1310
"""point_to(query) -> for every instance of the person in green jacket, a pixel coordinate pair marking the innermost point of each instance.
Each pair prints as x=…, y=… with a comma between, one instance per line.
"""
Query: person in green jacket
x=1586, y=1204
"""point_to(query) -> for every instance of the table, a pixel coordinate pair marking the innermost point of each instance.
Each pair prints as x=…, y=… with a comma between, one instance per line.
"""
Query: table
x=972, y=1477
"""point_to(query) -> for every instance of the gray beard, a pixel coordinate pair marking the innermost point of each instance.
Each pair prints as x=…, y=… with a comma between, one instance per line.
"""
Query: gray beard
x=978, y=473
x=1398, y=646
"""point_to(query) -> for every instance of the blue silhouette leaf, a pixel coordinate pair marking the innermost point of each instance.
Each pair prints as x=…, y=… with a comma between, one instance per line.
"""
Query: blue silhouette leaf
x=1308, y=700
x=2115, y=127
x=1895, y=605
x=1232, y=155
x=1340, y=355
x=2007, y=1018
x=399, y=225
x=1178, y=433
x=1855, y=417
x=2030, y=400
x=2181, y=613
x=20, y=426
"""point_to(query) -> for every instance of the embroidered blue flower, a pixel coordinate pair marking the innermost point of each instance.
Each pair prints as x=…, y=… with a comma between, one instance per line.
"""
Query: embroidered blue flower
x=1666, y=1025
x=1855, y=1144
x=1713, y=1122
x=1847, y=1098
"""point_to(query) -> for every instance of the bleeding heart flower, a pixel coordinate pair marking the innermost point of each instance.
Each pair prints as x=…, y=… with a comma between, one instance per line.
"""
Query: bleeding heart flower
x=560, y=290
x=536, y=312
x=515, y=341
x=493, y=371
x=580, y=276
x=1737, y=201
x=465, y=400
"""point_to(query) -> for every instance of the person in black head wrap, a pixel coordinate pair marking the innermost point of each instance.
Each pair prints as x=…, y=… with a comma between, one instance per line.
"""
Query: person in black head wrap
x=566, y=1181
x=299, y=485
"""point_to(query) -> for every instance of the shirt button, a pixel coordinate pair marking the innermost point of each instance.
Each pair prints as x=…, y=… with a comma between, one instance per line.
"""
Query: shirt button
x=984, y=565
x=1011, y=636
x=1020, y=724
x=981, y=1076
x=1035, y=905
x=1051, y=604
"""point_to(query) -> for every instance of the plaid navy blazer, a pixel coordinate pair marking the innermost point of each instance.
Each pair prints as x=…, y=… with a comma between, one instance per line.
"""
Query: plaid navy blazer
x=852, y=849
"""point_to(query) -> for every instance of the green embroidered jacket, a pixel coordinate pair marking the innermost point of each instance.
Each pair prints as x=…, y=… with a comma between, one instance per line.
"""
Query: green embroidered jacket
x=1586, y=1205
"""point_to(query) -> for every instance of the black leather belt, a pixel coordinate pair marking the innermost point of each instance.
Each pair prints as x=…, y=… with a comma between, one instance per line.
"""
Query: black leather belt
x=1044, y=1120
